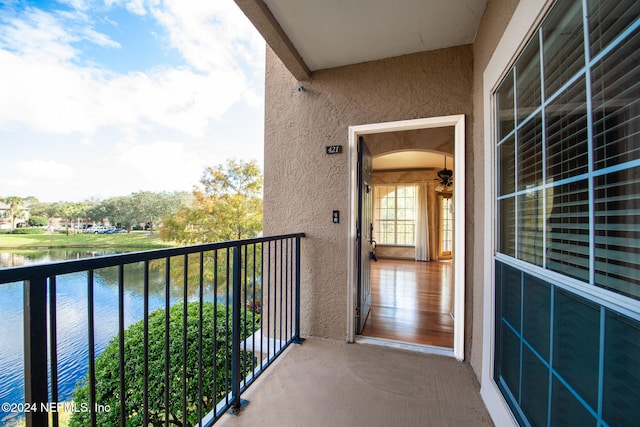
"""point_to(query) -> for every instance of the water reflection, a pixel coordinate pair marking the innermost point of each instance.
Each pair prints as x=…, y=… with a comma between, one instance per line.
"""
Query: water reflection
x=29, y=257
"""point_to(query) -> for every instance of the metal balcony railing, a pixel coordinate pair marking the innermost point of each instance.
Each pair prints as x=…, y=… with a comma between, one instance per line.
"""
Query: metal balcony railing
x=229, y=310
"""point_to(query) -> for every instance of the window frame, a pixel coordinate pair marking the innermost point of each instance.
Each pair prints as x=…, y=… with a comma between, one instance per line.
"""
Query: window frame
x=378, y=221
x=441, y=222
x=524, y=21
x=519, y=193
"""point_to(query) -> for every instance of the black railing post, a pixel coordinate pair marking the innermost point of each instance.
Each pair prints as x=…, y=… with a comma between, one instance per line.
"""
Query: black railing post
x=92, y=348
x=121, y=352
x=35, y=350
x=297, y=339
x=235, y=333
x=53, y=347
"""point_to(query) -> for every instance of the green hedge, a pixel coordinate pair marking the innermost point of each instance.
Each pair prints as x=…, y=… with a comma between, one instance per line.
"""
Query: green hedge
x=24, y=231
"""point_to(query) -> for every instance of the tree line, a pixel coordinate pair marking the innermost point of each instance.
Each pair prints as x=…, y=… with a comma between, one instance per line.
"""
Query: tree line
x=143, y=207
x=225, y=205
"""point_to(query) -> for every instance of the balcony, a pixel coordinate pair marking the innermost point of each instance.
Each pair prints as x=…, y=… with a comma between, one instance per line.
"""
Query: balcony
x=213, y=318
x=253, y=288
x=329, y=383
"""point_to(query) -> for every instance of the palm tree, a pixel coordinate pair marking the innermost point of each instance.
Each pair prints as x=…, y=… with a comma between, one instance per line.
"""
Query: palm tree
x=15, y=206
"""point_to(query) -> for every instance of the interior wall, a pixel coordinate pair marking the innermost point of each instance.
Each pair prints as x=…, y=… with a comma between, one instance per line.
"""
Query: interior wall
x=303, y=184
x=440, y=140
x=492, y=26
x=396, y=252
x=434, y=139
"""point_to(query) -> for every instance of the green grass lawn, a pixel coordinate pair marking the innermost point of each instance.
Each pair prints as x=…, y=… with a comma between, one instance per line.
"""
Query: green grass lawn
x=49, y=241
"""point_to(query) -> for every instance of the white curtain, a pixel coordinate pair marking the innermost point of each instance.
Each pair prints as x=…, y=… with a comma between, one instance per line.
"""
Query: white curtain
x=422, y=225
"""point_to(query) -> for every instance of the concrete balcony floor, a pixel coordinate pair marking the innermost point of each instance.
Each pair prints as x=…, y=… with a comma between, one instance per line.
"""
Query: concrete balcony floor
x=329, y=383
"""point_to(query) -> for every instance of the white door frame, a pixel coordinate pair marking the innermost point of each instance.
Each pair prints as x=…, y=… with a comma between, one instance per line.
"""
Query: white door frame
x=457, y=121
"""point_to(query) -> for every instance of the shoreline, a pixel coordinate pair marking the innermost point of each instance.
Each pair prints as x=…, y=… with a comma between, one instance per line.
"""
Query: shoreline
x=35, y=242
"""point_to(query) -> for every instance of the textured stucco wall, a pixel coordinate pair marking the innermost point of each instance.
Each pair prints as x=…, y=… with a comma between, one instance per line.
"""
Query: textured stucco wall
x=303, y=185
x=493, y=24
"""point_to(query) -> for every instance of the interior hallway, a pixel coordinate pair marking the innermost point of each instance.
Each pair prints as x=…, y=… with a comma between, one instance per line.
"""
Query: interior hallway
x=412, y=302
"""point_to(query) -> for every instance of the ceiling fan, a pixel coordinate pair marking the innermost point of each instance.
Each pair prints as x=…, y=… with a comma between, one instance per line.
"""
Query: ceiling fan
x=445, y=176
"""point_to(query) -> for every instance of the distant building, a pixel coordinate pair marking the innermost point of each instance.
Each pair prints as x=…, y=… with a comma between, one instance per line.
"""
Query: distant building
x=5, y=217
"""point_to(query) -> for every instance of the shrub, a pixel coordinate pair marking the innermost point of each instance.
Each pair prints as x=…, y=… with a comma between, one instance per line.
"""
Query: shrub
x=28, y=231
x=37, y=221
x=107, y=367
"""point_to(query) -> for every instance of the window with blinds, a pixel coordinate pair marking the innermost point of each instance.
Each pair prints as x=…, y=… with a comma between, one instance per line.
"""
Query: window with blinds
x=395, y=214
x=568, y=146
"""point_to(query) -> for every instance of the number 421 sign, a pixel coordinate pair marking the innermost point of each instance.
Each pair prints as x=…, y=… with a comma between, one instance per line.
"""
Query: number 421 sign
x=334, y=149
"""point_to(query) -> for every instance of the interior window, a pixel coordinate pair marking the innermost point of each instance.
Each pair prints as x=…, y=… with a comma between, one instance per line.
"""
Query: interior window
x=395, y=214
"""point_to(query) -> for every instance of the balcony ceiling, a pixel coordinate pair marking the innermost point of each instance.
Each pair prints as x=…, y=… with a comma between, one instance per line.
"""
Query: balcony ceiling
x=332, y=33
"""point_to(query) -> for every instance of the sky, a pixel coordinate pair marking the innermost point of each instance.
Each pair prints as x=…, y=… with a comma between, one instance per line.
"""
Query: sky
x=103, y=98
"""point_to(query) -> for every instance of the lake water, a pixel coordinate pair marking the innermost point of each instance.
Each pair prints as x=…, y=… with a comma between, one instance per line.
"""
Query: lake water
x=71, y=298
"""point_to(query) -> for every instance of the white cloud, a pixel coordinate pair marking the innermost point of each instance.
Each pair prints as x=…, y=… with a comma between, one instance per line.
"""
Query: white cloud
x=171, y=121
x=45, y=88
x=216, y=37
x=158, y=164
x=38, y=35
x=209, y=34
x=136, y=6
x=21, y=177
x=100, y=38
x=179, y=99
x=45, y=169
x=61, y=98
x=87, y=142
x=77, y=4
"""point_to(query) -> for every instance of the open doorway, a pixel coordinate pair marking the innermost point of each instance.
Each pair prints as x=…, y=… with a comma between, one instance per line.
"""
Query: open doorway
x=407, y=286
x=411, y=279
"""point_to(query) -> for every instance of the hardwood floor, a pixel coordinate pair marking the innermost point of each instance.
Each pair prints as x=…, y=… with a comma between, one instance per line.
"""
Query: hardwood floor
x=412, y=302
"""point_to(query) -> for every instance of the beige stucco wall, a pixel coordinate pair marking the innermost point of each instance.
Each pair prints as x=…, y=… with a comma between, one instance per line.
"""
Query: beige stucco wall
x=303, y=185
x=493, y=24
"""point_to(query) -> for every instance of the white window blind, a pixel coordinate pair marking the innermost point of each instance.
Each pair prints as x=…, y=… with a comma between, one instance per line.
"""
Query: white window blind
x=568, y=151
